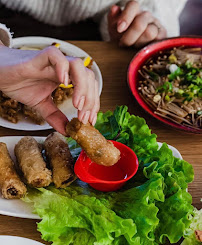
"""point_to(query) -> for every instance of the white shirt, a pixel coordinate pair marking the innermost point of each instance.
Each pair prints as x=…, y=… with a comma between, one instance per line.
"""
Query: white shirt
x=63, y=12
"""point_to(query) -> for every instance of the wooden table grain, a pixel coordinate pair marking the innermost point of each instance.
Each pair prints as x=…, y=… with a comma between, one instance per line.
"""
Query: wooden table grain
x=113, y=63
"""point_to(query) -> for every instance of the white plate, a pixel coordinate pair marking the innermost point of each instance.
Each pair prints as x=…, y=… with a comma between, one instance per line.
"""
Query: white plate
x=67, y=108
x=15, y=240
x=18, y=208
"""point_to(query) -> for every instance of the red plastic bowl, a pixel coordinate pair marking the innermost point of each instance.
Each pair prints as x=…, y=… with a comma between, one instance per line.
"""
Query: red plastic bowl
x=104, y=178
x=139, y=60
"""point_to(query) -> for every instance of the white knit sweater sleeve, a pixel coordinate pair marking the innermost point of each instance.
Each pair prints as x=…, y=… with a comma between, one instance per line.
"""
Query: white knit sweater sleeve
x=167, y=11
x=5, y=35
x=104, y=28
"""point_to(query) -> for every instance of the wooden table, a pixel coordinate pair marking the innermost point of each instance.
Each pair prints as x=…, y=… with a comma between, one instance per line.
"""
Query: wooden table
x=113, y=63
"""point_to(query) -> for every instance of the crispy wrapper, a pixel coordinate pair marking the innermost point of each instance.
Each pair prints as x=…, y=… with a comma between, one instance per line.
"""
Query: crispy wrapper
x=97, y=148
x=198, y=235
x=60, y=158
x=31, y=162
x=10, y=184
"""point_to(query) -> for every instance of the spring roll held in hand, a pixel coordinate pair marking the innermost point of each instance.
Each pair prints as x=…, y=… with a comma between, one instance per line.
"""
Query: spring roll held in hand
x=60, y=158
x=31, y=162
x=97, y=148
x=10, y=184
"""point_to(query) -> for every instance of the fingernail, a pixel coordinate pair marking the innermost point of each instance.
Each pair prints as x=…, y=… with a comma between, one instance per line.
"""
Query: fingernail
x=92, y=115
x=80, y=115
x=86, y=117
x=114, y=8
x=66, y=79
x=121, y=26
x=94, y=120
x=81, y=103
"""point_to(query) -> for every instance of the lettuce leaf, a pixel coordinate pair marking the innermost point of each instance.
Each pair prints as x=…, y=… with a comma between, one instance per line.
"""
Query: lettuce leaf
x=139, y=204
x=67, y=215
x=151, y=208
x=173, y=217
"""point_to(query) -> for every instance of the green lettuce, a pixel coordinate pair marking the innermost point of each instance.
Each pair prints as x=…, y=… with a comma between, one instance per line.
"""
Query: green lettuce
x=150, y=209
x=67, y=214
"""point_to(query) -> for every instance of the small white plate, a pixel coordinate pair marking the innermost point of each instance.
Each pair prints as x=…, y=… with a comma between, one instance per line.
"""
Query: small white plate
x=66, y=107
x=18, y=208
x=16, y=240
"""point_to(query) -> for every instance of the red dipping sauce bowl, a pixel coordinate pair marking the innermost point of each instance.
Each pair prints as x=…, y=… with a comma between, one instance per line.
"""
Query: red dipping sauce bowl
x=105, y=178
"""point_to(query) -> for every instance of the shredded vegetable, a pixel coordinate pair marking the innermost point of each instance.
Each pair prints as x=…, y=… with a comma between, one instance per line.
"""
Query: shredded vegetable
x=175, y=78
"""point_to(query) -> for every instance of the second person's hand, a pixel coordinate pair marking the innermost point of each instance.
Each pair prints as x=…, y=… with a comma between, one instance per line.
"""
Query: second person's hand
x=134, y=27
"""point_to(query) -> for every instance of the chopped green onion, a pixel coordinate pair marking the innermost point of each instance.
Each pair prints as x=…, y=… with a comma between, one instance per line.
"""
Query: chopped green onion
x=167, y=98
x=188, y=64
x=180, y=91
x=176, y=73
x=199, y=113
x=198, y=80
x=166, y=87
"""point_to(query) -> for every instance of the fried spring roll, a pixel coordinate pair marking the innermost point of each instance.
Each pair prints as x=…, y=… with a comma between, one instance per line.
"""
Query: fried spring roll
x=97, y=148
x=10, y=184
x=61, y=161
x=31, y=162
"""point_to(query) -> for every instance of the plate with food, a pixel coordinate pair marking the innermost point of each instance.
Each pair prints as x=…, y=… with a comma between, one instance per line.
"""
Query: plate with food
x=16, y=207
x=151, y=208
x=11, y=240
x=15, y=115
x=166, y=80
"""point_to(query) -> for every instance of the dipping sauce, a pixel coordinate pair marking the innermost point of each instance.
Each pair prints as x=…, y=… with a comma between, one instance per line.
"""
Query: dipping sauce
x=107, y=178
x=111, y=173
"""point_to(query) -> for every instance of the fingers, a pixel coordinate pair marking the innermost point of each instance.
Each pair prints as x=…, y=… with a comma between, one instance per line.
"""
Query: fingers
x=148, y=35
x=85, y=97
x=53, y=65
x=87, y=113
x=154, y=31
x=131, y=27
x=136, y=29
x=114, y=13
x=96, y=108
x=49, y=111
x=79, y=79
x=162, y=33
x=91, y=116
x=127, y=16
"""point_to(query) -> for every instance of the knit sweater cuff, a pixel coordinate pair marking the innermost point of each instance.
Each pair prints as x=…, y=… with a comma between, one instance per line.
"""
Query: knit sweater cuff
x=104, y=28
x=5, y=35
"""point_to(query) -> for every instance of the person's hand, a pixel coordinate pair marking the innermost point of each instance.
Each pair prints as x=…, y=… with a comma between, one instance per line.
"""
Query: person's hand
x=30, y=77
x=133, y=27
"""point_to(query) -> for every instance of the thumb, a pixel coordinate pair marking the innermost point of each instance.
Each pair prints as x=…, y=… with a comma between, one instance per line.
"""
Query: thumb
x=52, y=114
x=53, y=63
